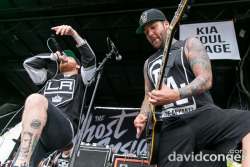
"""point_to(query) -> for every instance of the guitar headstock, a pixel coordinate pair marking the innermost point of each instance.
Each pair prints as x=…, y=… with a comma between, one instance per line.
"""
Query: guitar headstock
x=182, y=12
x=186, y=10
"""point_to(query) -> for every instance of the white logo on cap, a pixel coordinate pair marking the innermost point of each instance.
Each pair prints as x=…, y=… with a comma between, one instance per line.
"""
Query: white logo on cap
x=144, y=17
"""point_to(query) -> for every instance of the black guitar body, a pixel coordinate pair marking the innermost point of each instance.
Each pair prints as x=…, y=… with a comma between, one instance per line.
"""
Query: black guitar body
x=153, y=135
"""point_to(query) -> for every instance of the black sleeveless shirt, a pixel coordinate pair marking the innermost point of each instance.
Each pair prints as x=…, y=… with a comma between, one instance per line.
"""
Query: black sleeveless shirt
x=179, y=75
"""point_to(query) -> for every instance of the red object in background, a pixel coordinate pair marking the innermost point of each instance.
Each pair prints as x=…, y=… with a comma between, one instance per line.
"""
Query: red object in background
x=120, y=162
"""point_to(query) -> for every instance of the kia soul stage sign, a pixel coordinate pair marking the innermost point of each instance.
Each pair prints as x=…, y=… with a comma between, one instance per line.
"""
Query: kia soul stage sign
x=218, y=38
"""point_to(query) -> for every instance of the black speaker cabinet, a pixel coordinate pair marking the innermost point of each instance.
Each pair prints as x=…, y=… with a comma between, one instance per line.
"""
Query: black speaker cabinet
x=93, y=156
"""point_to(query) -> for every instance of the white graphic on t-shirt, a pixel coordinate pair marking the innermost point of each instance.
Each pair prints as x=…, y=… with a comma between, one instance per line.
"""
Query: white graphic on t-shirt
x=154, y=71
x=62, y=163
x=179, y=107
x=56, y=99
x=59, y=91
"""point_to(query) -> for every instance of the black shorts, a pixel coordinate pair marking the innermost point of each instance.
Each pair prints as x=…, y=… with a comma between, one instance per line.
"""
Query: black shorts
x=58, y=131
x=216, y=129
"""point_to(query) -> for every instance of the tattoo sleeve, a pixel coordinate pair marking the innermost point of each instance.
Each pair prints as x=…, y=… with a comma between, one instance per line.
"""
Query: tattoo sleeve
x=35, y=140
x=201, y=67
x=25, y=144
x=78, y=39
x=145, y=108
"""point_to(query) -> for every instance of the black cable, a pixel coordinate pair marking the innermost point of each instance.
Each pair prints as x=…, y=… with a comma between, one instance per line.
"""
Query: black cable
x=37, y=92
x=108, y=43
x=233, y=91
x=241, y=107
x=241, y=73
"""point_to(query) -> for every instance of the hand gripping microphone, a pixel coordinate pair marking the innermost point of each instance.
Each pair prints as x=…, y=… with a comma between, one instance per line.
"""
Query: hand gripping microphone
x=118, y=57
x=56, y=45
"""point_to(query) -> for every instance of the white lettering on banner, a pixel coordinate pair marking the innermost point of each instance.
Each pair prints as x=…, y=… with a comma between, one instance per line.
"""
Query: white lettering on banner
x=127, y=147
x=219, y=38
x=100, y=131
x=99, y=118
x=113, y=130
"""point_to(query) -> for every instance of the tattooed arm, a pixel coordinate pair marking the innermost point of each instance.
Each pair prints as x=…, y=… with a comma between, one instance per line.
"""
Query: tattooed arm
x=200, y=64
x=201, y=67
x=145, y=108
x=88, y=59
x=141, y=119
x=68, y=30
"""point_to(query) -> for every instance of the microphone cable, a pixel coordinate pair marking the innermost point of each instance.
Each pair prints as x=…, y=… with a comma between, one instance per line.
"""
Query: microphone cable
x=37, y=92
x=108, y=43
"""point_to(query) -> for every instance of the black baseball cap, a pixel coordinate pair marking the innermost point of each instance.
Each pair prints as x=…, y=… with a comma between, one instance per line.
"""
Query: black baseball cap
x=148, y=16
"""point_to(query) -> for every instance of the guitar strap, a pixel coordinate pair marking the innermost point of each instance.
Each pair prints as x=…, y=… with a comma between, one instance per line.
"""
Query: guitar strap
x=171, y=59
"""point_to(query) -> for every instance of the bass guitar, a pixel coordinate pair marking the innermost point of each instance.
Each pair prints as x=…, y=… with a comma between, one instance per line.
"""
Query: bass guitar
x=154, y=120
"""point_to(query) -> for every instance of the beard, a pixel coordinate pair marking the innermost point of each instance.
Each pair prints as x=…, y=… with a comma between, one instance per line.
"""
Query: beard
x=162, y=38
x=65, y=67
x=160, y=46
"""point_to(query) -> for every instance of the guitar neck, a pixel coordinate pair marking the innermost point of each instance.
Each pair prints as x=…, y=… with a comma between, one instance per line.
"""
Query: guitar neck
x=165, y=58
x=168, y=42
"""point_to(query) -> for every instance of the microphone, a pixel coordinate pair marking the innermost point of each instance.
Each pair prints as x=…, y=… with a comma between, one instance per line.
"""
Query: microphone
x=118, y=57
x=56, y=45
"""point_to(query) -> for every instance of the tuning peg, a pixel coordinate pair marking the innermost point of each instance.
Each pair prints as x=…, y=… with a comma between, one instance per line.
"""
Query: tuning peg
x=188, y=9
x=191, y=2
x=184, y=16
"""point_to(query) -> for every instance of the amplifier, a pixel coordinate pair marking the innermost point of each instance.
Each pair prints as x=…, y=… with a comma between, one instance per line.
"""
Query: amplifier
x=125, y=162
x=127, y=156
x=93, y=156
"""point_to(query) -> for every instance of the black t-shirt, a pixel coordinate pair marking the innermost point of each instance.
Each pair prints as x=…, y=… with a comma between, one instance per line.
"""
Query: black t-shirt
x=63, y=161
x=179, y=75
x=66, y=93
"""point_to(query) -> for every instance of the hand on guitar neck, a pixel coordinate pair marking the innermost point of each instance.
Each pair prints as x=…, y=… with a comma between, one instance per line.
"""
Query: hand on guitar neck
x=163, y=96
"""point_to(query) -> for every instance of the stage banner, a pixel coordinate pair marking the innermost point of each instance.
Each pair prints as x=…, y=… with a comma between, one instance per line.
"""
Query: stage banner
x=115, y=127
x=218, y=38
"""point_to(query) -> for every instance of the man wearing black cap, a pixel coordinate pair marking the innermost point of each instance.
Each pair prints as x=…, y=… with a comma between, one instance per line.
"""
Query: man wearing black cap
x=191, y=121
x=51, y=117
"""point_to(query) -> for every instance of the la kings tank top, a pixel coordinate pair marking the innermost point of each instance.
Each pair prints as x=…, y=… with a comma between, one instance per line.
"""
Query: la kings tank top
x=179, y=75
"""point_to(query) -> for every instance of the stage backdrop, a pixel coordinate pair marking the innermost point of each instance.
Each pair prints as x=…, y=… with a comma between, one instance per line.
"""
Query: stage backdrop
x=218, y=38
x=115, y=127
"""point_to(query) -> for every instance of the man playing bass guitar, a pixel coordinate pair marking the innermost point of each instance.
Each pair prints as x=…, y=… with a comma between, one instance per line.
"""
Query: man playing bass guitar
x=191, y=121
